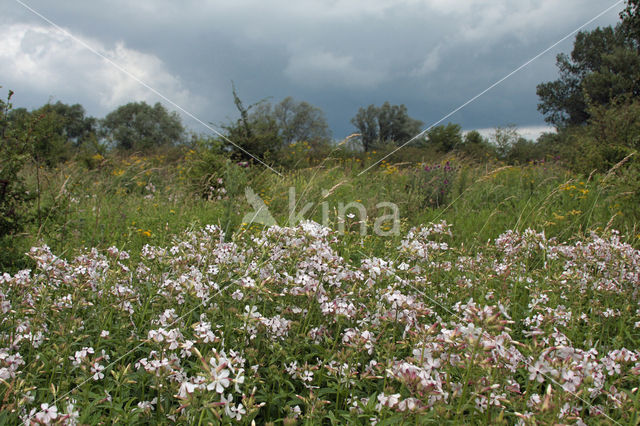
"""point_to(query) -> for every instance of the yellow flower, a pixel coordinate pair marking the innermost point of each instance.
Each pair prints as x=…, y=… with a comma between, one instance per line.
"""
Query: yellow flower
x=97, y=157
x=118, y=172
x=145, y=233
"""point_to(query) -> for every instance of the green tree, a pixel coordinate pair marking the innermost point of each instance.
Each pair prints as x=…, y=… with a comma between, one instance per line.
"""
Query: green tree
x=76, y=127
x=474, y=137
x=604, y=64
x=395, y=125
x=300, y=121
x=140, y=126
x=366, y=121
x=385, y=124
x=58, y=130
x=445, y=138
x=476, y=146
x=255, y=134
x=564, y=101
x=504, y=138
x=264, y=128
x=631, y=21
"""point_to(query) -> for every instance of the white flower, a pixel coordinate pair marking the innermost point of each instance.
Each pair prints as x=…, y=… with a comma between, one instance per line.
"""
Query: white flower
x=239, y=379
x=296, y=411
x=306, y=376
x=147, y=405
x=220, y=381
x=251, y=312
x=72, y=414
x=96, y=370
x=481, y=403
x=47, y=414
x=226, y=401
x=186, y=389
x=236, y=412
x=536, y=372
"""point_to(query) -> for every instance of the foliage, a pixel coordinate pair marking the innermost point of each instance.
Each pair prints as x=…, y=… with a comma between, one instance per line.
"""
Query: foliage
x=15, y=146
x=75, y=126
x=504, y=138
x=445, y=138
x=139, y=126
x=476, y=147
x=56, y=130
x=264, y=129
x=302, y=324
x=385, y=124
x=610, y=135
x=300, y=122
x=630, y=17
x=205, y=168
x=603, y=65
x=618, y=124
x=524, y=151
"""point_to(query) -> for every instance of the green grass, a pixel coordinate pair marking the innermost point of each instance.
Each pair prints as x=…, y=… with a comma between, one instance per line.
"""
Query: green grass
x=339, y=316
x=107, y=206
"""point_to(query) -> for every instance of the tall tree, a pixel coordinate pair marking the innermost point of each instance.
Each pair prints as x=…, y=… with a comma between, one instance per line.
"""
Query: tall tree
x=385, y=124
x=631, y=21
x=75, y=127
x=140, y=126
x=264, y=127
x=366, y=121
x=395, y=125
x=256, y=133
x=300, y=121
x=604, y=64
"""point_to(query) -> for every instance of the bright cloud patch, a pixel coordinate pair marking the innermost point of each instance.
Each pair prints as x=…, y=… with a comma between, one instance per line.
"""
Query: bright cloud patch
x=47, y=60
x=527, y=132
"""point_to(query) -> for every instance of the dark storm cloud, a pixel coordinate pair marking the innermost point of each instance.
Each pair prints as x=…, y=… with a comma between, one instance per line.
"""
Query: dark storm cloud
x=339, y=55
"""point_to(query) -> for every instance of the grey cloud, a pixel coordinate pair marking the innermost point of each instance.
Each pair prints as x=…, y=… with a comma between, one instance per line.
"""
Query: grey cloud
x=337, y=54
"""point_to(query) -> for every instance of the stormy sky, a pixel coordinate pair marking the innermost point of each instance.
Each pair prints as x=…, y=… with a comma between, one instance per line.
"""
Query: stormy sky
x=431, y=55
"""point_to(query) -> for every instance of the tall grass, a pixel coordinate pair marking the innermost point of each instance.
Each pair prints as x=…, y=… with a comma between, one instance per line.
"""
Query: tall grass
x=132, y=201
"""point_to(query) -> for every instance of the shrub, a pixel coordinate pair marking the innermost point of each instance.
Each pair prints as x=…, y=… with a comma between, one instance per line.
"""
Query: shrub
x=14, y=153
x=205, y=168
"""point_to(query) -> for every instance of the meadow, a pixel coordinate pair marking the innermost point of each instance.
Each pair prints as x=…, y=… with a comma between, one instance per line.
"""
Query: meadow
x=509, y=294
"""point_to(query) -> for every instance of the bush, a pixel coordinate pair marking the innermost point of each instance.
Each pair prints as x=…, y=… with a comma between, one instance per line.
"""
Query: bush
x=206, y=165
x=14, y=153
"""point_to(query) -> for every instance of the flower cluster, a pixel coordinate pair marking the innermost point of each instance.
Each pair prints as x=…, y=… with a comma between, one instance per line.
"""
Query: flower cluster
x=214, y=329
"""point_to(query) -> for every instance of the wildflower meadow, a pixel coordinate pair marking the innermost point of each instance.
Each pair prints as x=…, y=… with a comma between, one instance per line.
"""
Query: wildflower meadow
x=163, y=264
x=509, y=295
